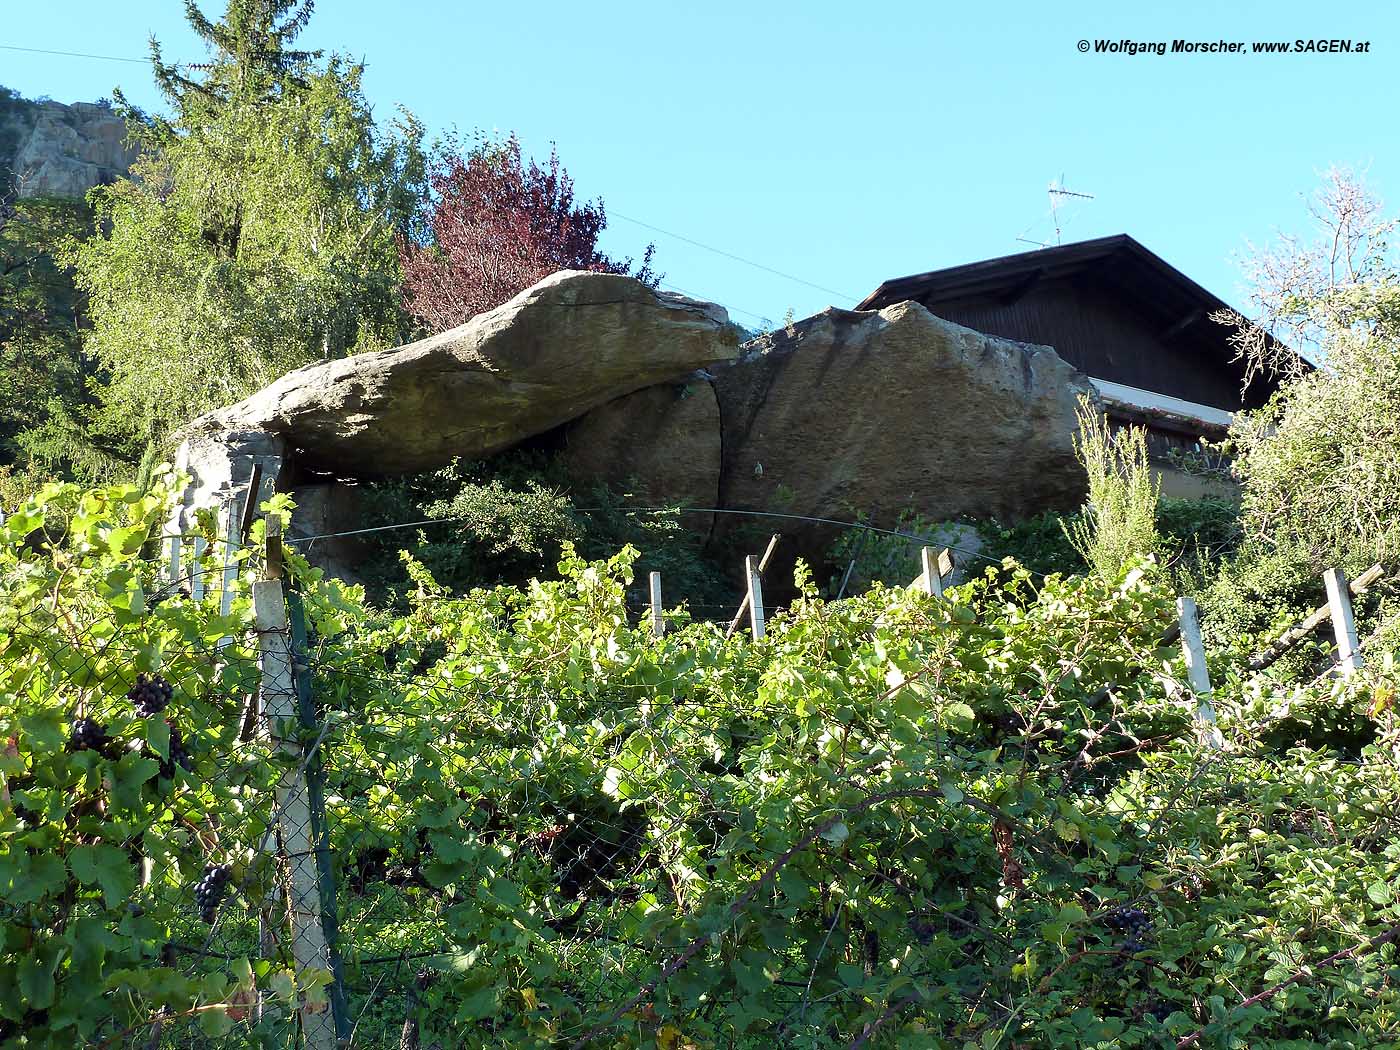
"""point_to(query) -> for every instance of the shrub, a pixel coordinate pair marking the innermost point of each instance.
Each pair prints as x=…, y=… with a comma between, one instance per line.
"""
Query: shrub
x=892, y=557
x=1117, y=527
x=507, y=520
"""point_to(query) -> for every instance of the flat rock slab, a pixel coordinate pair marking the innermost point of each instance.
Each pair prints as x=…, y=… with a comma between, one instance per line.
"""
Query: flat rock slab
x=568, y=344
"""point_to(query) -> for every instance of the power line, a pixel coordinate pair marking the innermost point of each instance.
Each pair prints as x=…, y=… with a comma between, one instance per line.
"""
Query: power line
x=626, y=218
x=71, y=54
x=710, y=299
x=731, y=255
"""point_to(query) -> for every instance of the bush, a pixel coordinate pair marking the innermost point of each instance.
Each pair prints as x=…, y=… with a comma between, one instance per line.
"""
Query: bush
x=1117, y=526
x=892, y=557
x=1041, y=543
x=1196, y=536
x=507, y=520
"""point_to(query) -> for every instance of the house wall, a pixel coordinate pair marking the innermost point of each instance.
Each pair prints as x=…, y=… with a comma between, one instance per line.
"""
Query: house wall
x=1177, y=484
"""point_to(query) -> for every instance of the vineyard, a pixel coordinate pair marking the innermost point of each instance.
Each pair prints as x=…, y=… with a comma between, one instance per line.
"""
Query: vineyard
x=525, y=817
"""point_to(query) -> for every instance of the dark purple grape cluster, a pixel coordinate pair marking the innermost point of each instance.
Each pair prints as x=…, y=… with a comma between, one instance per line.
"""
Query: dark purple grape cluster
x=209, y=891
x=88, y=735
x=151, y=695
x=1161, y=1010
x=179, y=754
x=1135, y=926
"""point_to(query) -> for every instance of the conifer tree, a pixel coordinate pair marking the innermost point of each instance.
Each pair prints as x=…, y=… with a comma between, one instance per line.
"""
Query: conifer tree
x=258, y=232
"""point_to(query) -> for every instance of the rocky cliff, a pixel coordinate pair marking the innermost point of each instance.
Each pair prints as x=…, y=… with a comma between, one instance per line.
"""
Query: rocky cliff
x=48, y=149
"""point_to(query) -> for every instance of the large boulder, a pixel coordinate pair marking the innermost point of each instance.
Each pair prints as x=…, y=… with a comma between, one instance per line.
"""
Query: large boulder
x=324, y=510
x=660, y=445
x=877, y=412
x=568, y=344
x=231, y=471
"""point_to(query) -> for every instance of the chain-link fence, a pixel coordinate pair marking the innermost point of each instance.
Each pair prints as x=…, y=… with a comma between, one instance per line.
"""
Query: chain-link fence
x=124, y=781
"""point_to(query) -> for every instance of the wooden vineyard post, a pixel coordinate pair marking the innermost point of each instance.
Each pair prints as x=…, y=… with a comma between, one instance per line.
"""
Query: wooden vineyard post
x=279, y=707
x=173, y=565
x=744, y=605
x=197, y=569
x=934, y=567
x=658, y=617
x=1197, y=674
x=1343, y=620
x=932, y=578
x=851, y=566
x=233, y=534
x=1295, y=634
x=755, y=596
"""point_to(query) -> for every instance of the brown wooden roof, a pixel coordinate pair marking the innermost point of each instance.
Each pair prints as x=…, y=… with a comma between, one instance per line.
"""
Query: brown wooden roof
x=1119, y=266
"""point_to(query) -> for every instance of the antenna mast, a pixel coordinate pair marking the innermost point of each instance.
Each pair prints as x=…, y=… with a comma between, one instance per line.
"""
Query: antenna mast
x=1057, y=193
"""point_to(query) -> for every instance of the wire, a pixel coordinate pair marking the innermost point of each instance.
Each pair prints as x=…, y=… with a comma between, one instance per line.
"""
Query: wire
x=711, y=299
x=672, y=510
x=626, y=218
x=731, y=255
x=71, y=54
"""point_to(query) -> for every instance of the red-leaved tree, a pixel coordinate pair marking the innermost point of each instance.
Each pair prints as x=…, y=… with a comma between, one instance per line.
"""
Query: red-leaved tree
x=492, y=227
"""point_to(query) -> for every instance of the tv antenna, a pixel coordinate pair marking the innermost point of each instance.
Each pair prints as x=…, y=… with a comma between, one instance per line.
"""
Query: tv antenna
x=1058, y=199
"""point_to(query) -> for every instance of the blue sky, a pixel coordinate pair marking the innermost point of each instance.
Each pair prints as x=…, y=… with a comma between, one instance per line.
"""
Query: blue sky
x=847, y=143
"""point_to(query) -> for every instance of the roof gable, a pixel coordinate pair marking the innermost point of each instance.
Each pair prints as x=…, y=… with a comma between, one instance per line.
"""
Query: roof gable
x=1118, y=265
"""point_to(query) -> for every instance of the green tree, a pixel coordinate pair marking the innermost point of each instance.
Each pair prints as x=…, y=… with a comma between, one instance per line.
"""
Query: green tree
x=255, y=61
x=44, y=373
x=39, y=357
x=1321, y=464
x=257, y=234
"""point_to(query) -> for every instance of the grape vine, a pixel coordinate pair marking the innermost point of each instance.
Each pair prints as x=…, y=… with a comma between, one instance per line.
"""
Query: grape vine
x=893, y=821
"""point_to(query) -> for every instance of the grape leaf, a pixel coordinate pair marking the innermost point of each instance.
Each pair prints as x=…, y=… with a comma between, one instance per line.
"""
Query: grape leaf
x=106, y=866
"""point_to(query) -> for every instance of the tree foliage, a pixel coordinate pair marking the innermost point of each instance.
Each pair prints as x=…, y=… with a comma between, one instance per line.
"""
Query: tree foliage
x=1321, y=464
x=1317, y=465
x=251, y=52
x=257, y=232
x=44, y=374
x=494, y=225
